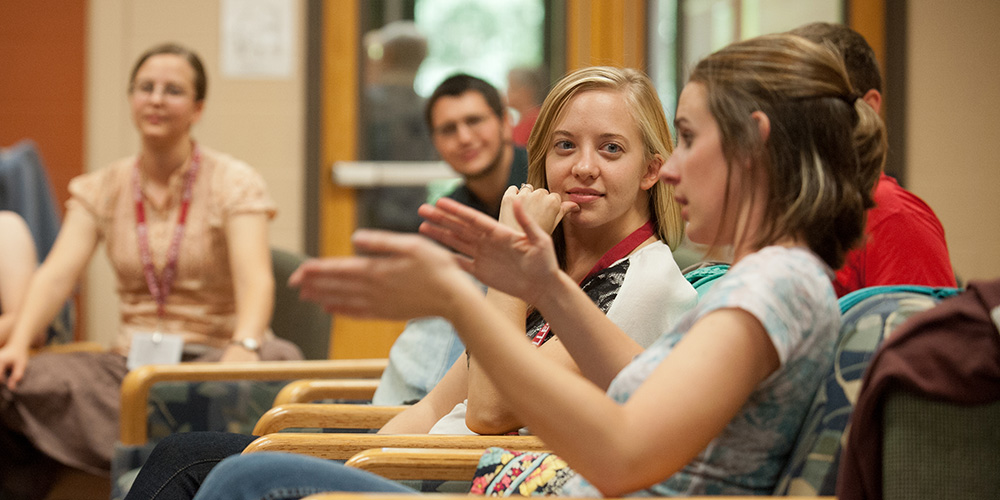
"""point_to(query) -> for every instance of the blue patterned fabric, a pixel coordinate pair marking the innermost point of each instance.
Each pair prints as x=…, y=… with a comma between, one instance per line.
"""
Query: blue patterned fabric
x=869, y=316
x=703, y=278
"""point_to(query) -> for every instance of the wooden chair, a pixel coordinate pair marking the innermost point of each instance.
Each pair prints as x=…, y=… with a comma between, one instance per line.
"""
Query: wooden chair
x=342, y=446
x=316, y=390
x=324, y=416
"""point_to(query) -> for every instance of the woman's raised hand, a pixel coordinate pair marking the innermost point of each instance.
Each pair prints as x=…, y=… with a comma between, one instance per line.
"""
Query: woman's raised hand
x=545, y=208
x=519, y=262
x=394, y=276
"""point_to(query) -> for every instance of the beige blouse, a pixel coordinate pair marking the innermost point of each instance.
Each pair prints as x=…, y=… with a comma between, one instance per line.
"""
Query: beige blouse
x=201, y=305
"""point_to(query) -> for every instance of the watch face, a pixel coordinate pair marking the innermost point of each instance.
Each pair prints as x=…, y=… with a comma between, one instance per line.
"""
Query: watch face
x=251, y=344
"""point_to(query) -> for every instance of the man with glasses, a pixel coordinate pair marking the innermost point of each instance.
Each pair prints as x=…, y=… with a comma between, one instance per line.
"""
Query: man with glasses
x=471, y=130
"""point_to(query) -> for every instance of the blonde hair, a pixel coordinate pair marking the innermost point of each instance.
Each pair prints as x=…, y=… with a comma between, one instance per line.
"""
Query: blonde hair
x=825, y=148
x=645, y=108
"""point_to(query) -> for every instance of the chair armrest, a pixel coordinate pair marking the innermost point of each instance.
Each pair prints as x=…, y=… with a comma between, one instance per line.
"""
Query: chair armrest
x=324, y=416
x=310, y=390
x=135, y=387
x=449, y=464
x=80, y=346
x=345, y=446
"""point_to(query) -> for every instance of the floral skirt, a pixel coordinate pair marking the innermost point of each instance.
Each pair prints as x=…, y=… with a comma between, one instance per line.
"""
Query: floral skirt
x=526, y=473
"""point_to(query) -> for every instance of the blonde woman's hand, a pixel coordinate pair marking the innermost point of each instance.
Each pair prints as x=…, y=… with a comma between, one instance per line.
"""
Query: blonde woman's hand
x=545, y=208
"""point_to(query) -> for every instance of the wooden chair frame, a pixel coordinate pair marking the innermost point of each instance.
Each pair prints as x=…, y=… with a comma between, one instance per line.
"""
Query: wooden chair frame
x=136, y=386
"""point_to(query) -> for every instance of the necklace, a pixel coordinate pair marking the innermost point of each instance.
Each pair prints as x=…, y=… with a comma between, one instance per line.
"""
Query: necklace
x=160, y=287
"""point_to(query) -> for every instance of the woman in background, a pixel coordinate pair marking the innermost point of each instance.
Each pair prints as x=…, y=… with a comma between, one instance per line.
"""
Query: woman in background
x=185, y=229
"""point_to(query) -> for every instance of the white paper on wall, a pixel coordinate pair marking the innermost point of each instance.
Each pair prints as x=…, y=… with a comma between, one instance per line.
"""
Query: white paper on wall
x=257, y=39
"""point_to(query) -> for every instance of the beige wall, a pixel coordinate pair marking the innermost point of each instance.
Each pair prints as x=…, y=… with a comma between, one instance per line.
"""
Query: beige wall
x=259, y=121
x=953, y=121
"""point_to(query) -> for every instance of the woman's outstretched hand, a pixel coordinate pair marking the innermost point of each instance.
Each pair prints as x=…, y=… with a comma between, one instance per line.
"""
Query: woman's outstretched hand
x=394, y=276
x=519, y=263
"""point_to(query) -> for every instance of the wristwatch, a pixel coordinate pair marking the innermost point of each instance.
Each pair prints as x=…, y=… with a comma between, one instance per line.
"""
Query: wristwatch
x=250, y=344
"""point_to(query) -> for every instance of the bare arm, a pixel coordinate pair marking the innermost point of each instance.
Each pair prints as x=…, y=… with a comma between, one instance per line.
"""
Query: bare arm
x=419, y=418
x=50, y=286
x=18, y=261
x=253, y=281
x=624, y=446
x=488, y=412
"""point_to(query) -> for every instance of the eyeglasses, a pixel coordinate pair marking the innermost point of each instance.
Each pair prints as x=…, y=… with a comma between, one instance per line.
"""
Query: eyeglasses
x=148, y=89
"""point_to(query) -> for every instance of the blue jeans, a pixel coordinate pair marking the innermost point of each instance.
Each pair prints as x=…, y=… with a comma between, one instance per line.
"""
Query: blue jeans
x=180, y=462
x=284, y=476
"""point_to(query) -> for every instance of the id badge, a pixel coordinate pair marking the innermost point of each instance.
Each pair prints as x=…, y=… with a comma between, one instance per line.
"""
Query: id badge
x=154, y=349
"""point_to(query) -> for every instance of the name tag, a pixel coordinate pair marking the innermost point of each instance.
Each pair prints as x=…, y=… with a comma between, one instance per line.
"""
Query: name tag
x=155, y=349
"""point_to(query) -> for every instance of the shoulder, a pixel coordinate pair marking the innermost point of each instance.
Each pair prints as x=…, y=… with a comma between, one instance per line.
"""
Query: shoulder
x=236, y=187
x=98, y=188
x=781, y=274
x=13, y=225
x=789, y=290
x=894, y=202
x=114, y=172
x=653, y=294
x=225, y=165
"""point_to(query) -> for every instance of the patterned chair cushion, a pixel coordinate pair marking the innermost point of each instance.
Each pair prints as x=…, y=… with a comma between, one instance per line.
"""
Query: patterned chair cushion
x=868, y=318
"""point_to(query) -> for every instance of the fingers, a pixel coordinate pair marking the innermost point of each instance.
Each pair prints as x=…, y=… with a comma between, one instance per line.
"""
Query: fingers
x=532, y=230
x=446, y=237
x=457, y=226
x=16, y=374
x=296, y=277
x=567, y=207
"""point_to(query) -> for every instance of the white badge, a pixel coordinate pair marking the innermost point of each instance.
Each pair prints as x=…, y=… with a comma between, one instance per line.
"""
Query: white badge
x=154, y=349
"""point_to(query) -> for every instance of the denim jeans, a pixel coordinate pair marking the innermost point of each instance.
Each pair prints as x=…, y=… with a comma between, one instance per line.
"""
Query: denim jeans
x=284, y=476
x=180, y=462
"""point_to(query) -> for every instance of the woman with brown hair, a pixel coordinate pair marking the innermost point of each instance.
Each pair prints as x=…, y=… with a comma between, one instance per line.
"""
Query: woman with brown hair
x=185, y=229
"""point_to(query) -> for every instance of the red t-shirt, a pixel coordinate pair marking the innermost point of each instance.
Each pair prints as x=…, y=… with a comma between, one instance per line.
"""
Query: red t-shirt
x=904, y=245
x=522, y=130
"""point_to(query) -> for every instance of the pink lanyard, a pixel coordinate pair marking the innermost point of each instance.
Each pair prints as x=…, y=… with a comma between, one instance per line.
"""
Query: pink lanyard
x=160, y=288
x=616, y=253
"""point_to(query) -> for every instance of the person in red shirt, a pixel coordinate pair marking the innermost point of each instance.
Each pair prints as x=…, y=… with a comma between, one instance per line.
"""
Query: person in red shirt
x=526, y=88
x=904, y=241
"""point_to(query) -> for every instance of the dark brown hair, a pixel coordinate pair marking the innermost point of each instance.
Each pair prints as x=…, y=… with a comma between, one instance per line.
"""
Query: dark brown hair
x=819, y=160
x=200, y=79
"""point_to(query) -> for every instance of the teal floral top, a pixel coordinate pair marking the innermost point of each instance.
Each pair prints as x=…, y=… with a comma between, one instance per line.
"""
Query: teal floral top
x=789, y=290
